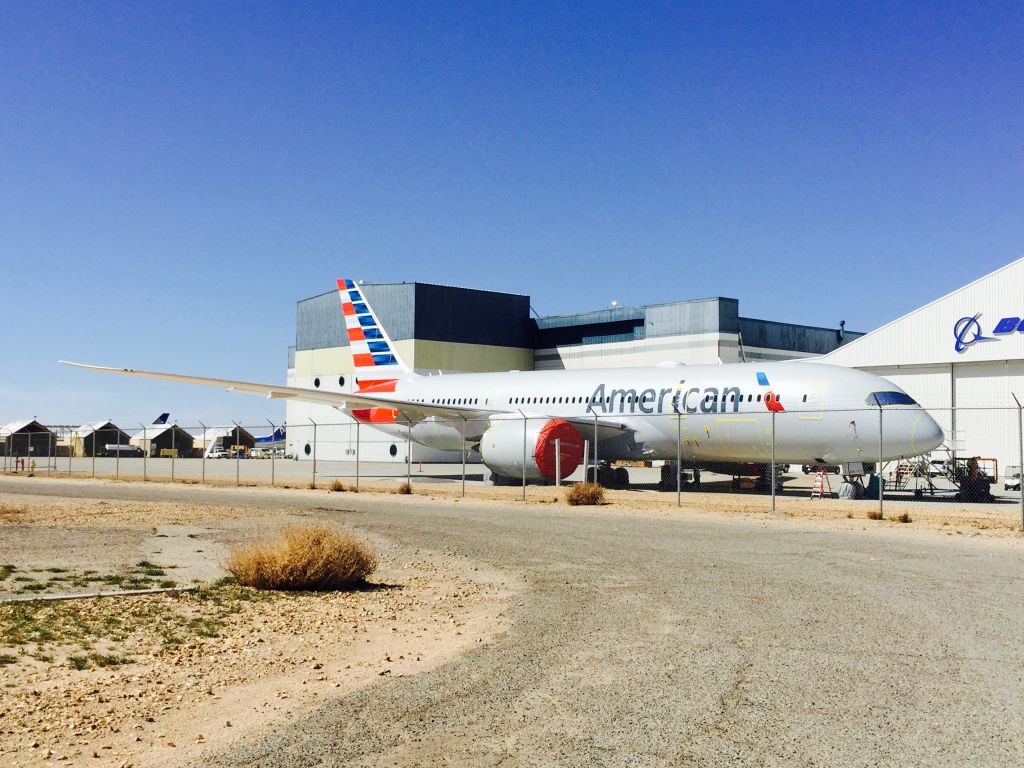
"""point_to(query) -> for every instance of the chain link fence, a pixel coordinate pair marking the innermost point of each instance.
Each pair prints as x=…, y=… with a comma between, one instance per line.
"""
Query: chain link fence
x=980, y=459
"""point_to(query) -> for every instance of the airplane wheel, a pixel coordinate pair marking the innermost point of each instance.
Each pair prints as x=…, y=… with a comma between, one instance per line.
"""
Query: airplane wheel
x=622, y=477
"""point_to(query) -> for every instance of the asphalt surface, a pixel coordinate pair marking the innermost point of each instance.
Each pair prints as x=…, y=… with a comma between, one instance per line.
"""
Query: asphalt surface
x=640, y=641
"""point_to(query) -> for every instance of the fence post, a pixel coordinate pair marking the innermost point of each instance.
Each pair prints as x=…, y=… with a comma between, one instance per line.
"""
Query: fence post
x=238, y=453
x=408, y=452
x=145, y=452
x=117, y=457
x=71, y=441
x=679, y=456
x=174, y=448
x=1020, y=455
x=463, y=457
x=273, y=450
x=49, y=450
x=595, y=447
x=524, y=456
x=206, y=448
x=881, y=482
x=93, y=436
x=314, y=450
x=357, y=455
x=772, y=478
x=558, y=462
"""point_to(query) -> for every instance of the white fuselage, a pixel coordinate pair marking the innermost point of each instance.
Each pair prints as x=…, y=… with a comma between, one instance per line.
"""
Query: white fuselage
x=822, y=413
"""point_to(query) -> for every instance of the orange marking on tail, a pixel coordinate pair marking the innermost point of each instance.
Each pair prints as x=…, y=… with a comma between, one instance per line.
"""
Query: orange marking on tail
x=347, y=308
x=363, y=361
x=356, y=334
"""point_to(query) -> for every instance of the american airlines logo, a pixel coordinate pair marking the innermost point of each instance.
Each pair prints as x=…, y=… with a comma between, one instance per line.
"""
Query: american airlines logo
x=967, y=331
x=680, y=399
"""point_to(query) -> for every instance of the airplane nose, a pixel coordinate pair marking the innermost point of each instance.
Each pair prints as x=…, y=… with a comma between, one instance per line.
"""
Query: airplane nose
x=928, y=435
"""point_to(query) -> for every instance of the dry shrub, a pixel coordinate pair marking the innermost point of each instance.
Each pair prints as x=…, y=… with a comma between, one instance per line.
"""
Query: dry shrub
x=903, y=517
x=337, y=486
x=312, y=486
x=404, y=489
x=585, y=494
x=874, y=514
x=313, y=557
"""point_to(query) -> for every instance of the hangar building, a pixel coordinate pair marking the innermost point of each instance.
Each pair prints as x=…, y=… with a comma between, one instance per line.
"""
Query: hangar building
x=962, y=358
x=93, y=438
x=445, y=329
x=27, y=438
x=164, y=440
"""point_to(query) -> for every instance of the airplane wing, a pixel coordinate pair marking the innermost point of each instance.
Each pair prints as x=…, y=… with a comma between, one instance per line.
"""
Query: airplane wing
x=408, y=410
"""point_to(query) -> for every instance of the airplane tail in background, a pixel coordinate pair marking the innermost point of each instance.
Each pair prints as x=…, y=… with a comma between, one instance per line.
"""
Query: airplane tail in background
x=373, y=353
x=162, y=418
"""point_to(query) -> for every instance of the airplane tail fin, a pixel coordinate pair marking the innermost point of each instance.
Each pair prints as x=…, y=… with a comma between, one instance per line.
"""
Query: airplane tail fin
x=373, y=353
x=162, y=418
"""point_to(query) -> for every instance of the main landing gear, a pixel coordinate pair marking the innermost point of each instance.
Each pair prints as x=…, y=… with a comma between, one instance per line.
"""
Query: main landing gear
x=609, y=476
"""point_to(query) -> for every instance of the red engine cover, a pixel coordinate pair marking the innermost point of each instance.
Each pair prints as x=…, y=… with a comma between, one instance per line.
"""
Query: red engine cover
x=570, y=444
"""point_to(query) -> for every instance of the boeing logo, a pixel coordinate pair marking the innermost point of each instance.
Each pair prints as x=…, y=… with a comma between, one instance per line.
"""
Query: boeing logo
x=967, y=331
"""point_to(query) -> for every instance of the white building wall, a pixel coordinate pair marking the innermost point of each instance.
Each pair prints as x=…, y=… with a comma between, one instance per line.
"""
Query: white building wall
x=918, y=352
x=692, y=349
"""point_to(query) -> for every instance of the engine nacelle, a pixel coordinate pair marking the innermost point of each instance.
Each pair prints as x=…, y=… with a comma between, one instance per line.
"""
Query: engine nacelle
x=501, y=448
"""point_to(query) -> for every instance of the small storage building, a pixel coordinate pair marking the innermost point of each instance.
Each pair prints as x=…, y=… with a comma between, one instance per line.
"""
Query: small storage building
x=98, y=438
x=225, y=439
x=164, y=440
x=27, y=438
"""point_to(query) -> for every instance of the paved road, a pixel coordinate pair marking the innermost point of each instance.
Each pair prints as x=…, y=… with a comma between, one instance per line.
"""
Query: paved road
x=641, y=641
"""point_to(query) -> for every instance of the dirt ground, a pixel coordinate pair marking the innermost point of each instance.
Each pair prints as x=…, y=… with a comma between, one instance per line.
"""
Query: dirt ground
x=160, y=679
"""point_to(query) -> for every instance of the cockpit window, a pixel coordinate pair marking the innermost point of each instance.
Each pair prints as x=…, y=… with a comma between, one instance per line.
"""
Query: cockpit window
x=890, y=398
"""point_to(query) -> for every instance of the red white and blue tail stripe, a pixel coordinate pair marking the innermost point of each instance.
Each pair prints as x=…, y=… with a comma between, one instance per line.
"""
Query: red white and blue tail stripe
x=373, y=352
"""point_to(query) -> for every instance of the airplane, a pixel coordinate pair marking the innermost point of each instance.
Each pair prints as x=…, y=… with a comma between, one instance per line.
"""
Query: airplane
x=719, y=417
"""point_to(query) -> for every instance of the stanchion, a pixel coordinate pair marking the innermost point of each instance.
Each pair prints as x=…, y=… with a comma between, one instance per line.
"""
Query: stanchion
x=881, y=482
x=408, y=453
x=1020, y=456
x=206, y=450
x=145, y=453
x=772, y=478
x=524, y=455
x=314, y=450
x=273, y=449
x=238, y=452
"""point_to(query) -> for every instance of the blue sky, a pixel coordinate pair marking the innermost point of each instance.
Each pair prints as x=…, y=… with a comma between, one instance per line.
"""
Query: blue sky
x=174, y=176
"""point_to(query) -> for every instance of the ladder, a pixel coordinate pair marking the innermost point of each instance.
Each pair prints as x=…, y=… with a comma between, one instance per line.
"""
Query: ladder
x=822, y=487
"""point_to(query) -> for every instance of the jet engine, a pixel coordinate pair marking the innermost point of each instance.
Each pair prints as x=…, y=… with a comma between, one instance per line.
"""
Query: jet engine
x=501, y=448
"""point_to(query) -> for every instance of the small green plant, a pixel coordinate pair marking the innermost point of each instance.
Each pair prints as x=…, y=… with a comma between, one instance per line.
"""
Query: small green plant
x=6, y=658
x=404, y=489
x=78, y=662
x=585, y=494
x=108, y=660
x=338, y=487
x=5, y=571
